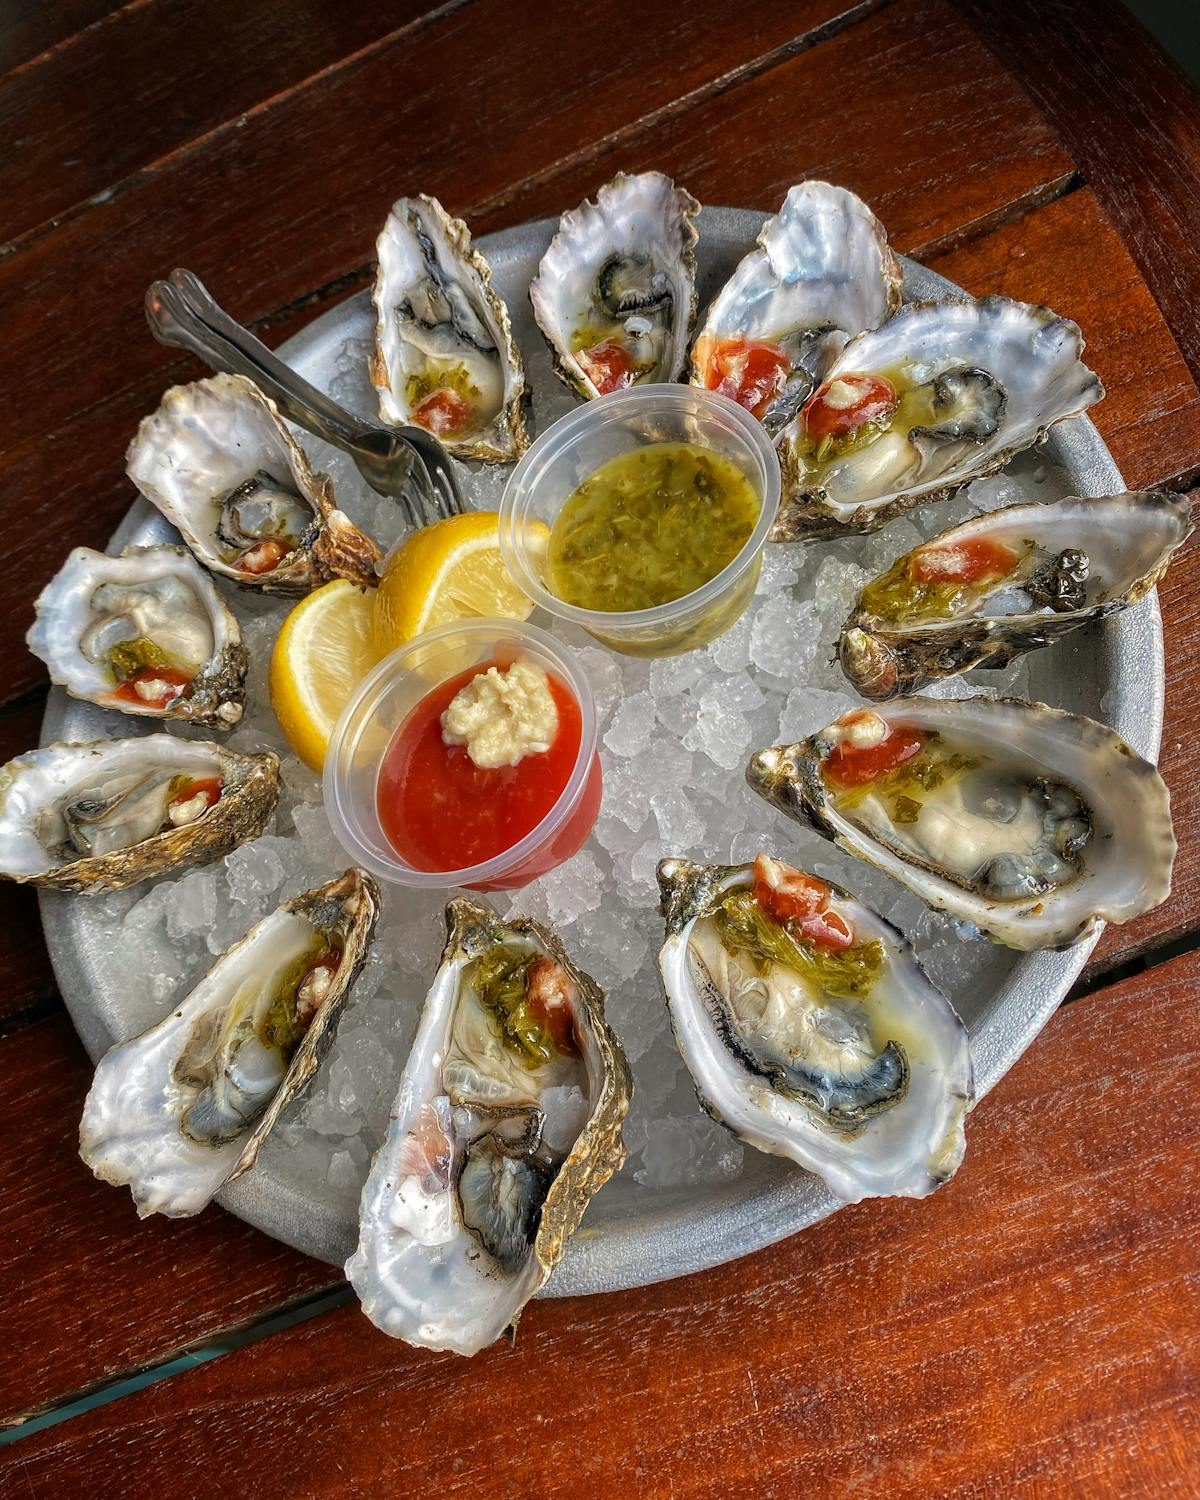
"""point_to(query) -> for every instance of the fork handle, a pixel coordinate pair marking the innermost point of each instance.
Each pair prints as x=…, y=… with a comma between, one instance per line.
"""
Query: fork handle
x=183, y=315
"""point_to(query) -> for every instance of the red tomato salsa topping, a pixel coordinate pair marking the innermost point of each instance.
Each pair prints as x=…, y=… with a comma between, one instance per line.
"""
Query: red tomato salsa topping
x=314, y=986
x=801, y=901
x=846, y=403
x=856, y=764
x=748, y=371
x=264, y=556
x=973, y=560
x=440, y=811
x=152, y=687
x=608, y=365
x=208, y=787
x=548, y=997
x=443, y=412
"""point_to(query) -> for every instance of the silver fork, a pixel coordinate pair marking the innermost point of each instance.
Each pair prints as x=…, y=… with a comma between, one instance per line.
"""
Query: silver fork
x=406, y=463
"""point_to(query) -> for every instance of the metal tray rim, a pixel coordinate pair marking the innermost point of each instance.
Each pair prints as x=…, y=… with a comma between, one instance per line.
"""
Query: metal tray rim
x=677, y=1240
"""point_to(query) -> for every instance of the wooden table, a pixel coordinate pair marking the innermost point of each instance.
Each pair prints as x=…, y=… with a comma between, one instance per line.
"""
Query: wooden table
x=1033, y=1328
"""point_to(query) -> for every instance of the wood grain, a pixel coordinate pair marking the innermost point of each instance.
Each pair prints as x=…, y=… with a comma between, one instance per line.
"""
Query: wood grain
x=75, y=469
x=295, y=197
x=31, y=28
x=1068, y=256
x=910, y=64
x=24, y=962
x=90, y=1290
x=1179, y=761
x=75, y=128
x=1031, y=1330
x=1129, y=118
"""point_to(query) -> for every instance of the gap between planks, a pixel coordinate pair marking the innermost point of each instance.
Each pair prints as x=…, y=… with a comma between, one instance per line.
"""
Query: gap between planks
x=199, y=142
x=277, y=1320
x=744, y=73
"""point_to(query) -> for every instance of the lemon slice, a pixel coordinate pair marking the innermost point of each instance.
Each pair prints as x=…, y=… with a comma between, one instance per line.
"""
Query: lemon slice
x=322, y=653
x=451, y=570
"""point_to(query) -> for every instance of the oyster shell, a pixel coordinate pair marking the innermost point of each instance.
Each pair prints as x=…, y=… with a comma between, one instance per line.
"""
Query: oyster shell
x=947, y=392
x=615, y=293
x=181, y=1110
x=218, y=461
x=1046, y=569
x=1035, y=824
x=822, y=272
x=102, y=816
x=101, y=620
x=846, y=1060
x=508, y=1118
x=444, y=352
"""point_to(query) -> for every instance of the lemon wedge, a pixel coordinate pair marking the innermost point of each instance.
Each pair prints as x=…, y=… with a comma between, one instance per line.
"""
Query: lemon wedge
x=449, y=571
x=323, y=652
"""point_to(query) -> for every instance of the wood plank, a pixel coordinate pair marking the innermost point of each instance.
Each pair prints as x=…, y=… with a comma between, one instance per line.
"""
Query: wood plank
x=1179, y=761
x=1129, y=117
x=295, y=197
x=73, y=476
x=1030, y=1330
x=24, y=962
x=101, y=1292
x=1068, y=256
x=828, y=106
x=30, y=28
x=158, y=77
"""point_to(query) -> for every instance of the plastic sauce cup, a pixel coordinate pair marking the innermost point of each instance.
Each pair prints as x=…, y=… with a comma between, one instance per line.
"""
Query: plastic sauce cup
x=382, y=703
x=576, y=446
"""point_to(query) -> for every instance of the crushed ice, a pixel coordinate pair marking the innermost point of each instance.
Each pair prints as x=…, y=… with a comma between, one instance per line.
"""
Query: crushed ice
x=674, y=736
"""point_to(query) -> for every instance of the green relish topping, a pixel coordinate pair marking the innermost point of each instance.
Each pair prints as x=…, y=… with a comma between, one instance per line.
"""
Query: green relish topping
x=128, y=657
x=896, y=595
x=438, y=376
x=650, y=526
x=501, y=982
x=901, y=789
x=279, y=1027
x=744, y=927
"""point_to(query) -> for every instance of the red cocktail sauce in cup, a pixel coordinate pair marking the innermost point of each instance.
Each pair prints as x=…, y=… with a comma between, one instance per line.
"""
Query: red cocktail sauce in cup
x=418, y=810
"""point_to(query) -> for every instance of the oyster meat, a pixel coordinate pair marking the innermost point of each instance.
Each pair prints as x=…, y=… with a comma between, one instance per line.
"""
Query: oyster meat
x=181, y=1110
x=615, y=292
x=1032, y=823
x=444, y=352
x=218, y=461
x=507, y=1120
x=810, y=1030
x=981, y=594
x=822, y=272
x=943, y=393
x=146, y=633
x=103, y=816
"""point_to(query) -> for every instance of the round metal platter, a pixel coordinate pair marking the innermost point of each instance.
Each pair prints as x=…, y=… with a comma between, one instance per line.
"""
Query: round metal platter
x=1112, y=671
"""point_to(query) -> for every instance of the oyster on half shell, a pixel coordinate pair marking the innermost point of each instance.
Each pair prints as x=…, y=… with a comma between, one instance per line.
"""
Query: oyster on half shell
x=103, y=816
x=615, y=294
x=981, y=594
x=1032, y=823
x=810, y=1030
x=146, y=633
x=444, y=352
x=943, y=393
x=218, y=461
x=507, y=1120
x=176, y=1113
x=823, y=271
